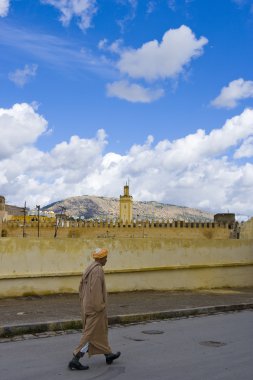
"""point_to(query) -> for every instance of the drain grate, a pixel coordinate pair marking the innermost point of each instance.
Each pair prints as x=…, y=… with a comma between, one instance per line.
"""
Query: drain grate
x=152, y=332
x=212, y=343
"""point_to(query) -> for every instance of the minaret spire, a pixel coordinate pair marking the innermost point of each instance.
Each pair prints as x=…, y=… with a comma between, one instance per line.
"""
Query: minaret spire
x=126, y=205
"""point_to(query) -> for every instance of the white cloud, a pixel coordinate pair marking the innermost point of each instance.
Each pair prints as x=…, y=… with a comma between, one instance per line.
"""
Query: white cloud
x=58, y=52
x=154, y=60
x=236, y=90
x=246, y=149
x=241, y=2
x=103, y=44
x=172, y=4
x=83, y=10
x=199, y=145
x=192, y=171
x=131, y=12
x=19, y=126
x=4, y=7
x=133, y=92
x=115, y=47
x=21, y=76
x=151, y=5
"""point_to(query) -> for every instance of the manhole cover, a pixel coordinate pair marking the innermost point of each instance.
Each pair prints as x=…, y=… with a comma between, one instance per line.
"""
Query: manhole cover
x=212, y=343
x=152, y=332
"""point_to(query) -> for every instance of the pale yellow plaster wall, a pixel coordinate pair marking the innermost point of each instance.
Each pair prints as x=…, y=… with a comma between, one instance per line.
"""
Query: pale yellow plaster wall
x=247, y=230
x=43, y=266
x=184, y=279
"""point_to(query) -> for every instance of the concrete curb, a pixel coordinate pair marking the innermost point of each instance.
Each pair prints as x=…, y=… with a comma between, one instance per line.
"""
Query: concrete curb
x=33, y=328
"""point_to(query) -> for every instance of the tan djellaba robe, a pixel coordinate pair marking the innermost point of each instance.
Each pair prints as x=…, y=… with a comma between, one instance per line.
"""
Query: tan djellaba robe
x=93, y=298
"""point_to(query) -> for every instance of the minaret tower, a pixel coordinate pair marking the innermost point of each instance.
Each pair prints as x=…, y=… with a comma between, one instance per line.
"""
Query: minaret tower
x=126, y=206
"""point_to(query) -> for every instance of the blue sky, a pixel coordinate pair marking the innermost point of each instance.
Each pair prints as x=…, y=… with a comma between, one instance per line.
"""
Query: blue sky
x=93, y=93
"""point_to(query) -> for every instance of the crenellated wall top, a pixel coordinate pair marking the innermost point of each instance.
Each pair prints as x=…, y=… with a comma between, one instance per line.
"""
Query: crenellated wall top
x=119, y=224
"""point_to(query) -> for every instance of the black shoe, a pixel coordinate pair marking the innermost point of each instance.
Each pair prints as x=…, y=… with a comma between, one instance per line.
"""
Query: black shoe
x=111, y=357
x=75, y=364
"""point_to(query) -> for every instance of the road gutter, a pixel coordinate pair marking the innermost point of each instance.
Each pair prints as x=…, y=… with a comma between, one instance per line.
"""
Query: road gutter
x=40, y=327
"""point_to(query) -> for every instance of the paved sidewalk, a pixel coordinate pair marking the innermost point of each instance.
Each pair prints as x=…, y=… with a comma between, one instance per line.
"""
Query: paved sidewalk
x=44, y=313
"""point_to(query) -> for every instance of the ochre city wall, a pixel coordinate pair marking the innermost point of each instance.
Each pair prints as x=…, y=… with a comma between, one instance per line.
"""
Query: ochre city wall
x=44, y=266
x=247, y=230
x=173, y=230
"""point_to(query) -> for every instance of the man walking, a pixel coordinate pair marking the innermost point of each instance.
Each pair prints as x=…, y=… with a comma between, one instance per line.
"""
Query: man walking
x=93, y=298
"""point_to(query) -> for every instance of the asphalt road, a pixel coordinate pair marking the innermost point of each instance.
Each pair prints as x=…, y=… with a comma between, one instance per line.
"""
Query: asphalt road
x=218, y=347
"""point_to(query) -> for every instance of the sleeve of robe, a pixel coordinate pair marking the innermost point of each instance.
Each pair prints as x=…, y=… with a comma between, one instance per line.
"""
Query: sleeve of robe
x=97, y=283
